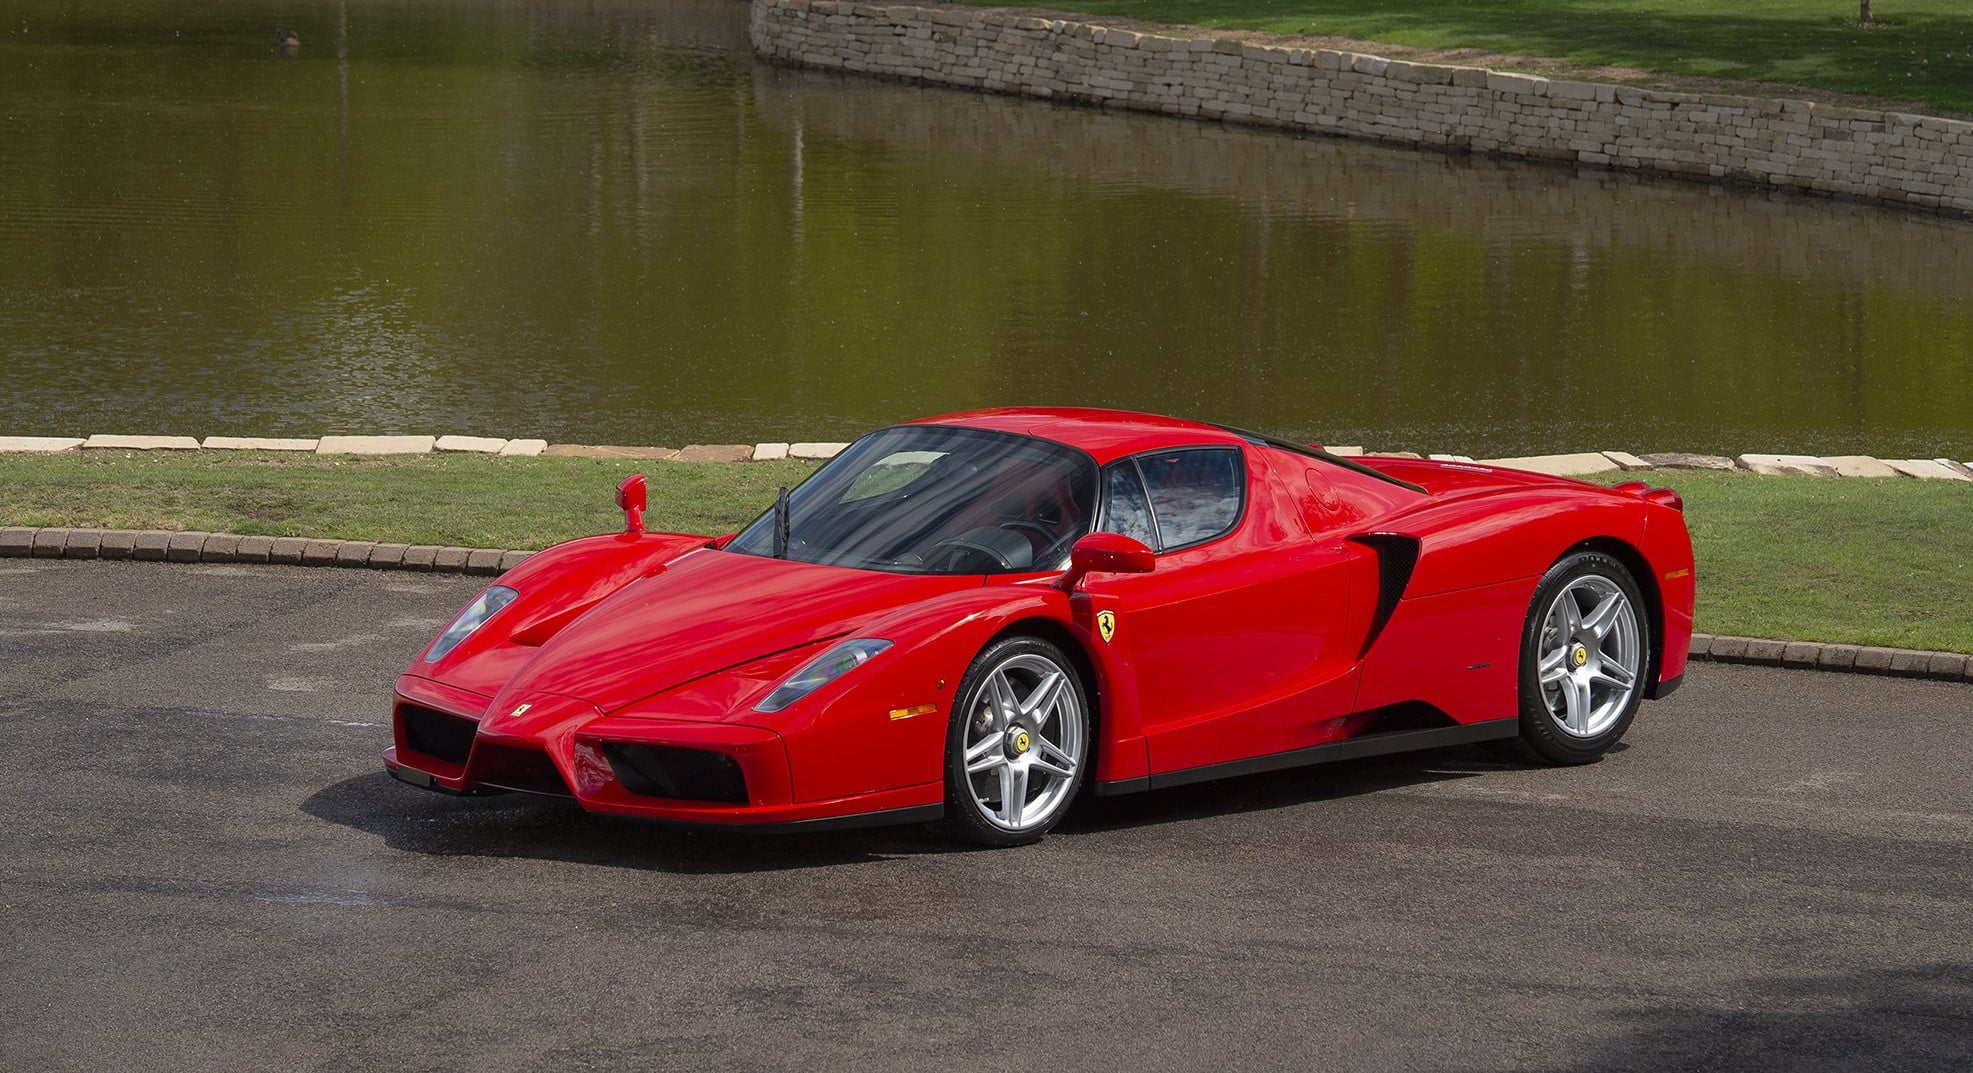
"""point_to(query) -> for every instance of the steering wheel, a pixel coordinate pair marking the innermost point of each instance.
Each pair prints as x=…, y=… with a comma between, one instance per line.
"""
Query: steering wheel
x=950, y=554
x=1047, y=535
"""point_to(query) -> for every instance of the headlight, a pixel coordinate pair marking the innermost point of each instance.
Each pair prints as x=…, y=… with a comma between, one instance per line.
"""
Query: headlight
x=472, y=618
x=822, y=670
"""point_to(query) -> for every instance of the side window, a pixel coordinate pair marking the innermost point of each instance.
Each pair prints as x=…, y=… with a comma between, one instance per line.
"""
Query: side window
x=1195, y=494
x=1125, y=509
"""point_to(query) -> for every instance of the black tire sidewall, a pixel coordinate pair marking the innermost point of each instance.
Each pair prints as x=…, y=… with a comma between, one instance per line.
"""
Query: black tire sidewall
x=1540, y=731
x=962, y=816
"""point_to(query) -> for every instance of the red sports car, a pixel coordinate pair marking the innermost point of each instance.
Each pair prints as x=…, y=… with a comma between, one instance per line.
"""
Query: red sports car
x=975, y=618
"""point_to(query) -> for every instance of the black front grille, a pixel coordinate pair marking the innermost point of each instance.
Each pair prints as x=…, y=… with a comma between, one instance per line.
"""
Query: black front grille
x=513, y=767
x=437, y=734
x=669, y=771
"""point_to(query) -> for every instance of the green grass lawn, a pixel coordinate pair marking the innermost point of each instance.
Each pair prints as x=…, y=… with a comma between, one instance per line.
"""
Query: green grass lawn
x=1885, y=562
x=1881, y=562
x=1919, y=51
x=468, y=500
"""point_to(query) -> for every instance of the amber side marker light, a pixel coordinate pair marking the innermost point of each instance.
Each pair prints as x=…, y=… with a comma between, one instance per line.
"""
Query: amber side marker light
x=917, y=709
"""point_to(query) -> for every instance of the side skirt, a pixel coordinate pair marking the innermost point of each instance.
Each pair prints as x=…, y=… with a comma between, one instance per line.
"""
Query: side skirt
x=1396, y=741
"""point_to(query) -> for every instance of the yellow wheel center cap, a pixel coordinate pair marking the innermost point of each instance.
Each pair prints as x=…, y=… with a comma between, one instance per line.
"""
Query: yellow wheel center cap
x=1021, y=741
x=1579, y=655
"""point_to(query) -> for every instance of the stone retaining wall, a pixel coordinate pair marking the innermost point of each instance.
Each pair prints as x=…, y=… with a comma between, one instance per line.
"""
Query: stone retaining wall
x=1885, y=156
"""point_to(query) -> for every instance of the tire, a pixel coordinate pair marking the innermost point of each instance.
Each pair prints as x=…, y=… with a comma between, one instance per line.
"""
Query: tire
x=1588, y=629
x=1022, y=727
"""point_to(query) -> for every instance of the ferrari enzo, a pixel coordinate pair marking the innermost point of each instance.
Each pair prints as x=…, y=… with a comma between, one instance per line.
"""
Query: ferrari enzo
x=976, y=618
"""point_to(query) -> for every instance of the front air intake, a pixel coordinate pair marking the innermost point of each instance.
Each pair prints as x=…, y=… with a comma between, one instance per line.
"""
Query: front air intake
x=436, y=734
x=682, y=774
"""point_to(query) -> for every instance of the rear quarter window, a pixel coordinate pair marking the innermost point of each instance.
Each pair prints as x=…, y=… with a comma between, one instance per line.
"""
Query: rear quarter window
x=1195, y=494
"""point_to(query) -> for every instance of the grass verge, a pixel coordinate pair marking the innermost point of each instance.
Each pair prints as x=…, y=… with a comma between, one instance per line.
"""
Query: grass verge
x=1920, y=52
x=1876, y=562
x=1884, y=562
x=468, y=500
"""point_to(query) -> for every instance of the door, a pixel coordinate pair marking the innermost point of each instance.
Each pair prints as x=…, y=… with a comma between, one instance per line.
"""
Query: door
x=1237, y=638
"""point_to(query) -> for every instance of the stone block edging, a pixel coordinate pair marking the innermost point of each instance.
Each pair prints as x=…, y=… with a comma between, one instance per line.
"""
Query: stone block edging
x=160, y=545
x=1864, y=154
x=1825, y=656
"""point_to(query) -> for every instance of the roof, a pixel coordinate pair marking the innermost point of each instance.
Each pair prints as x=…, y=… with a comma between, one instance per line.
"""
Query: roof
x=1103, y=434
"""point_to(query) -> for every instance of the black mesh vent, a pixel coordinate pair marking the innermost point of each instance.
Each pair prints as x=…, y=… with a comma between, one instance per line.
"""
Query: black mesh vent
x=685, y=774
x=436, y=734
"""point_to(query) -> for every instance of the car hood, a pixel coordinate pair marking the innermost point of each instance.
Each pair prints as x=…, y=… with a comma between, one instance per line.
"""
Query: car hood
x=710, y=611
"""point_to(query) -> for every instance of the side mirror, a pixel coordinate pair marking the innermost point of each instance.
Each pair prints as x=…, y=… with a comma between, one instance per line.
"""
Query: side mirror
x=1106, y=553
x=631, y=498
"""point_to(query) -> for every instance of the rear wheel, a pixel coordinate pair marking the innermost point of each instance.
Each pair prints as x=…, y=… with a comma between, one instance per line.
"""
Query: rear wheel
x=1585, y=650
x=1017, y=745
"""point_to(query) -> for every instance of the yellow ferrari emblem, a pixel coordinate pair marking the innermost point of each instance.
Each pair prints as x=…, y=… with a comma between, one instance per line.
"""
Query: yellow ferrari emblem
x=1021, y=742
x=519, y=711
x=1106, y=625
x=1580, y=655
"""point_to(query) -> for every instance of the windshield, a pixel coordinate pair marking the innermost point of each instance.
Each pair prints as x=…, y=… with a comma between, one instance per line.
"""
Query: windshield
x=925, y=499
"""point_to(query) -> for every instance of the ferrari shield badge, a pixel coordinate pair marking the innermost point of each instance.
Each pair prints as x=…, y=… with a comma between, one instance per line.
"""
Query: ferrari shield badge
x=1106, y=625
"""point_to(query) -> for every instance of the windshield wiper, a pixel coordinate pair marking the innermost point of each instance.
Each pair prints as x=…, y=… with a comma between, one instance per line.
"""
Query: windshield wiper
x=781, y=524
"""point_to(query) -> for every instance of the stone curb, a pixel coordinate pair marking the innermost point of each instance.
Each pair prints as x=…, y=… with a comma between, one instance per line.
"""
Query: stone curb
x=160, y=545
x=1821, y=656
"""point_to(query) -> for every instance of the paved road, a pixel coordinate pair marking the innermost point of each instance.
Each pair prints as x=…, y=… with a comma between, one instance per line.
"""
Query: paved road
x=202, y=867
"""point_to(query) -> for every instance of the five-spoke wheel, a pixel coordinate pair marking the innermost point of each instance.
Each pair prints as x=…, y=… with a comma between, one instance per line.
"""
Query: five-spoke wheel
x=1018, y=743
x=1584, y=655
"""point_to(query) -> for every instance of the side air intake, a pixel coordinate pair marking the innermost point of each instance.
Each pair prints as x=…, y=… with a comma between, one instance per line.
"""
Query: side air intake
x=1397, y=556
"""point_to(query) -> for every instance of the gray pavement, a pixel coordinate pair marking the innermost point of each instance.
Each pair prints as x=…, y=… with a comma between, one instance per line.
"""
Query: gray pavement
x=203, y=867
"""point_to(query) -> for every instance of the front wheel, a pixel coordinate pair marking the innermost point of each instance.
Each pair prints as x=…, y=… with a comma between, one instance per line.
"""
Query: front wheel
x=1017, y=744
x=1585, y=650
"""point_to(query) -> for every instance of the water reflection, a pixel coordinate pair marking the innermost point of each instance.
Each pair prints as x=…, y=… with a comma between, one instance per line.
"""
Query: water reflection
x=606, y=222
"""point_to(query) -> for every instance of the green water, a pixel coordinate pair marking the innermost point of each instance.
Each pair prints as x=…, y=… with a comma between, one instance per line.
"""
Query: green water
x=603, y=222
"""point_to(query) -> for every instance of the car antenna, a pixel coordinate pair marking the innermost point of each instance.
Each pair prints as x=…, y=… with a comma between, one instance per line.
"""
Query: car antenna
x=781, y=524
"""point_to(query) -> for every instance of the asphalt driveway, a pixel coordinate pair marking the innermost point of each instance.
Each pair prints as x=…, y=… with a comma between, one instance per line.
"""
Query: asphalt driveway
x=203, y=867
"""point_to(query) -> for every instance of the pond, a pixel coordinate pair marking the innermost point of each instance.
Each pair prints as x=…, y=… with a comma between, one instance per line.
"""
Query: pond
x=603, y=222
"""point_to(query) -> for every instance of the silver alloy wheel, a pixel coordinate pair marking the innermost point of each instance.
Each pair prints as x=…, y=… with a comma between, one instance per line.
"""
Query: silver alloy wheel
x=1589, y=654
x=1024, y=742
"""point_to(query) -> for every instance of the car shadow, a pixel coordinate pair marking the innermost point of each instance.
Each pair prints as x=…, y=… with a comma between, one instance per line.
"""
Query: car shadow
x=1288, y=788
x=547, y=828
x=556, y=829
